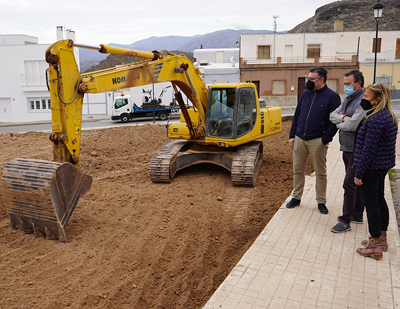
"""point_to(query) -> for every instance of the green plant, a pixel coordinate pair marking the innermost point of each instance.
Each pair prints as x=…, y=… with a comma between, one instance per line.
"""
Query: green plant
x=392, y=174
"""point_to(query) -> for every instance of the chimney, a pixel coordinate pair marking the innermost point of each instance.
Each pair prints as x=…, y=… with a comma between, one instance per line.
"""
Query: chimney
x=60, y=33
x=338, y=25
x=70, y=35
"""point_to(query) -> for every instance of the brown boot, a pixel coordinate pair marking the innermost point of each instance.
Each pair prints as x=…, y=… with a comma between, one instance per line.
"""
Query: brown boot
x=373, y=249
x=384, y=243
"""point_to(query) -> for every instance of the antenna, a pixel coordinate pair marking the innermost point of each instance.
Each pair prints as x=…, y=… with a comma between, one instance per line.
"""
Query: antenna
x=275, y=24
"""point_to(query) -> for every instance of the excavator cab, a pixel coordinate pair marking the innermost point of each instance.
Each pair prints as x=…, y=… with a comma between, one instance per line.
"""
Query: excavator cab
x=231, y=113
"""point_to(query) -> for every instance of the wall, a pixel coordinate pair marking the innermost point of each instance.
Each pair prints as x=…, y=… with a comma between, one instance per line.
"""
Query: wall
x=12, y=82
x=210, y=54
x=218, y=72
x=291, y=73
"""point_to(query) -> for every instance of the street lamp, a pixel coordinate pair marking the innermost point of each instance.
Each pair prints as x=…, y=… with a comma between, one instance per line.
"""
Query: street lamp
x=378, y=8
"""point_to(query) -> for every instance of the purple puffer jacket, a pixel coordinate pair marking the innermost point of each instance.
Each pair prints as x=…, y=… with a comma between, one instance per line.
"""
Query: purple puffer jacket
x=375, y=147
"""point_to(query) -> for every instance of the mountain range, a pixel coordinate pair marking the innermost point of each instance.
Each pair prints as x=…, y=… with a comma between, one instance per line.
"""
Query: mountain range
x=357, y=15
x=218, y=39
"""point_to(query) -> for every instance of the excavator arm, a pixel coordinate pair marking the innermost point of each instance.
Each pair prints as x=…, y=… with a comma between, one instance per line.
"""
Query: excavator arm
x=67, y=87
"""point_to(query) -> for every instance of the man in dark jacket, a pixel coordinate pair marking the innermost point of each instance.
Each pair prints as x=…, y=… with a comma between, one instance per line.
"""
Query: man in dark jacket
x=310, y=135
x=347, y=118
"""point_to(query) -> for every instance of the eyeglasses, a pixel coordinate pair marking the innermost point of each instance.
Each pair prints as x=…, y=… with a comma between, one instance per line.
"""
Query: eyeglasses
x=314, y=79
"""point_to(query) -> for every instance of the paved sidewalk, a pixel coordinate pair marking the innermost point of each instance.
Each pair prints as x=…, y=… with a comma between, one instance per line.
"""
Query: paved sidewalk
x=297, y=262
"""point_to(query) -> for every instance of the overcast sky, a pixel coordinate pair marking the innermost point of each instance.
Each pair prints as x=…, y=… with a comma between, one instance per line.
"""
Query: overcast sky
x=124, y=22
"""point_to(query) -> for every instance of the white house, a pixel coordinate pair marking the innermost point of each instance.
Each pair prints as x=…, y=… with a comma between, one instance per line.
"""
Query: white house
x=23, y=92
x=219, y=65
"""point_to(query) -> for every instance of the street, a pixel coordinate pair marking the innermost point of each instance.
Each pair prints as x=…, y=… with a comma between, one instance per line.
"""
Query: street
x=91, y=124
x=86, y=125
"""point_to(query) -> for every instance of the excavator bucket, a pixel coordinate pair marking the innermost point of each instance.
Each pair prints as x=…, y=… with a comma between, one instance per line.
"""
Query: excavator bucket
x=40, y=196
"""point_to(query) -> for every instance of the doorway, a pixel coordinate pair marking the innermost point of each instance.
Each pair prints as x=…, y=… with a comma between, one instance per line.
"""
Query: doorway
x=301, y=86
x=5, y=110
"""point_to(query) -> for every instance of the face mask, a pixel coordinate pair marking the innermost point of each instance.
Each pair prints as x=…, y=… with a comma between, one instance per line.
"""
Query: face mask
x=365, y=104
x=310, y=85
x=348, y=90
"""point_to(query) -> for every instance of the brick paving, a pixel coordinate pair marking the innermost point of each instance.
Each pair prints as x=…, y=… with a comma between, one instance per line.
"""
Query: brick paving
x=297, y=262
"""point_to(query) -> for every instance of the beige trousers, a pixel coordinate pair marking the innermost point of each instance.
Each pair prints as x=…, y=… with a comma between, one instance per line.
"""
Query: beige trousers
x=301, y=151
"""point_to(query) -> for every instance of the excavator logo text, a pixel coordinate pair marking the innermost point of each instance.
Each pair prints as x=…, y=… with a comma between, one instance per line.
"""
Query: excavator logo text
x=119, y=80
x=157, y=70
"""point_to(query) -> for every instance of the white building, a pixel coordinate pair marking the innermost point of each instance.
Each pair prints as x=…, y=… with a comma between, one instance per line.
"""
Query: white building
x=219, y=65
x=23, y=92
x=24, y=96
x=278, y=63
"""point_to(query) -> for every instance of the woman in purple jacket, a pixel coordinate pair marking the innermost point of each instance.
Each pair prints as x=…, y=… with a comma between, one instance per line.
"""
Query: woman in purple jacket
x=374, y=154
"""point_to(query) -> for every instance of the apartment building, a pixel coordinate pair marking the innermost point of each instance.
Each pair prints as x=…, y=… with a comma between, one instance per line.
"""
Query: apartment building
x=278, y=63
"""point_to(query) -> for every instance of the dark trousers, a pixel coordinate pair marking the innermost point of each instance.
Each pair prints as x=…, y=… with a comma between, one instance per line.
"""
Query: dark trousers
x=373, y=194
x=352, y=201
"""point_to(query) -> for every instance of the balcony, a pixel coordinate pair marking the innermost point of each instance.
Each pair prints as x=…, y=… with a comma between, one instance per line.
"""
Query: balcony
x=286, y=62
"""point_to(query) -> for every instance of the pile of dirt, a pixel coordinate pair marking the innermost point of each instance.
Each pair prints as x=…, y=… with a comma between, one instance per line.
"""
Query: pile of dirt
x=133, y=243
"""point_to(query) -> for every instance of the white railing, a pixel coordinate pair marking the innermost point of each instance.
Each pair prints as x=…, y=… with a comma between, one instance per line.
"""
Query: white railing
x=344, y=58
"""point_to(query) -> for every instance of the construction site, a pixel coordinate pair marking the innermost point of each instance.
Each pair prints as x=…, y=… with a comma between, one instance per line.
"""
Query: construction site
x=132, y=243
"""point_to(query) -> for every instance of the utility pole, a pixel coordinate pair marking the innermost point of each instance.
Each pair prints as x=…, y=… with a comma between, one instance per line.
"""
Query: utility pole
x=275, y=24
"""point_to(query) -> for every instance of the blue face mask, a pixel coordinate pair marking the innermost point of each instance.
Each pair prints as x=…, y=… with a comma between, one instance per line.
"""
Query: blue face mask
x=348, y=90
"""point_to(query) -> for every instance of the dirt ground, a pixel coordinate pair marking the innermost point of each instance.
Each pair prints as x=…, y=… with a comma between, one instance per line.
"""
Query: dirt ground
x=133, y=243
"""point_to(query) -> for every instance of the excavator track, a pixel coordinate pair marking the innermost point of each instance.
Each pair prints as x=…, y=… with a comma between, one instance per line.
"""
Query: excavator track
x=246, y=164
x=40, y=196
x=160, y=163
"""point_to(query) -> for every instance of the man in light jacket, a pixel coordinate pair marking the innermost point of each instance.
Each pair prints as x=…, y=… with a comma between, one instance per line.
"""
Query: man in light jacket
x=347, y=117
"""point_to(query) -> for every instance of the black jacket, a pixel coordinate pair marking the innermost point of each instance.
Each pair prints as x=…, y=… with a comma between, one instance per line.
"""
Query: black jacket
x=311, y=118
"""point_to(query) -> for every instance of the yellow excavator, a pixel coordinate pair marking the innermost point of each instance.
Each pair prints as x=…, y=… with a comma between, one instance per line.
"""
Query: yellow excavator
x=222, y=128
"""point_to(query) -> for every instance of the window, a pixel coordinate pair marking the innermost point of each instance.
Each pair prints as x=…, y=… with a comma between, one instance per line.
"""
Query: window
x=313, y=51
x=264, y=52
x=387, y=80
x=288, y=51
x=398, y=49
x=378, y=47
x=35, y=73
x=278, y=87
x=219, y=55
x=221, y=111
x=122, y=102
x=39, y=104
x=247, y=111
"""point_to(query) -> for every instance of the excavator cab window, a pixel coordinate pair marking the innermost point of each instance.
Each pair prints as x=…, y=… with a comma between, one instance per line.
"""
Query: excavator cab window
x=221, y=112
x=120, y=102
x=247, y=111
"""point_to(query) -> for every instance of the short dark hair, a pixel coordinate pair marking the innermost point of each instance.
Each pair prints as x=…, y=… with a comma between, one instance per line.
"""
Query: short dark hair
x=358, y=76
x=322, y=72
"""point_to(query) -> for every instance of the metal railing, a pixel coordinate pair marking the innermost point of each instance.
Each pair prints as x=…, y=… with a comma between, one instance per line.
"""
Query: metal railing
x=344, y=58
